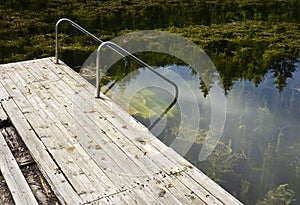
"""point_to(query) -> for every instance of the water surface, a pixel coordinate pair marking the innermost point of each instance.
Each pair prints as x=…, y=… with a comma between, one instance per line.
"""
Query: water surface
x=258, y=155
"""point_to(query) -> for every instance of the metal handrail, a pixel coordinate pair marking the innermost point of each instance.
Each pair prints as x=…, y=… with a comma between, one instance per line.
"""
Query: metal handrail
x=83, y=31
x=123, y=53
x=126, y=53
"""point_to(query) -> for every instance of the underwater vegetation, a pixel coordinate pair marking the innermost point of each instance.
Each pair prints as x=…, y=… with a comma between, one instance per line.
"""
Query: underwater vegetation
x=279, y=195
x=258, y=156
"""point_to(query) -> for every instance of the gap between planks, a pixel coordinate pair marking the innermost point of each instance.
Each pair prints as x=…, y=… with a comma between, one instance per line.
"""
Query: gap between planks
x=191, y=176
x=14, y=177
x=86, y=97
x=55, y=91
x=46, y=164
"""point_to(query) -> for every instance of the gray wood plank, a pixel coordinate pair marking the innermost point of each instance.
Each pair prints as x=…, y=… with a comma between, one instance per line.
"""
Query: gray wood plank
x=171, y=158
x=99, y=144
x=164, y=162
x=3, y=115
x=84, y=127
x=13, y=176
x=63, y=190
x=148, y=165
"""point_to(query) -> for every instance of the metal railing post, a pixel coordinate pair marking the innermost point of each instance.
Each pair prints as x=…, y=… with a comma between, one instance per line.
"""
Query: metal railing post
x=122, y=50
x=98, y=71
x=119, y=50
x=132, y=56
x=56, y=42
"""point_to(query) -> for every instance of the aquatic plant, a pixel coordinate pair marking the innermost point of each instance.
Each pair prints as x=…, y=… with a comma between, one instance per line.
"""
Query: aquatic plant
x=279, y=195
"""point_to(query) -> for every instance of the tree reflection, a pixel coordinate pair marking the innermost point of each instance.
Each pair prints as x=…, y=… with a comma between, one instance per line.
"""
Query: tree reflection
x=283, y=69
x=253, y=63
x=248, y=63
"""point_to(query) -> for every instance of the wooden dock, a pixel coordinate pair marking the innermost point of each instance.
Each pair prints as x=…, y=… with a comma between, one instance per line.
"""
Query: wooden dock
x=89, y=150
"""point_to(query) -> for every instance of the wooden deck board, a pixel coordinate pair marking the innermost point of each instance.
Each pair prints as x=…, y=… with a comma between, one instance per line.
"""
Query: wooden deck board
x=14, y=178
x=131, y=148
x=55, y=137
x=3, y=115
x=63, y=190
x=173, y=161
x=174, y=191
x=103, y=154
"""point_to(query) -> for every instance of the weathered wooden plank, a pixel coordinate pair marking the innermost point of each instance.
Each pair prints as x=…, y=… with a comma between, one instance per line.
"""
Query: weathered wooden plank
x=79, y=181
x=63, y=190
x=143, y=135
x=177, y=191
x=135, y=130
x=102, y=144
x=3, y=115
x=14, y=178
x=95, y=131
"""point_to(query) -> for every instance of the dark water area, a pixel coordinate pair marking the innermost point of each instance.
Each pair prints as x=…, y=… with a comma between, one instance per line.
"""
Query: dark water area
x=254, y=46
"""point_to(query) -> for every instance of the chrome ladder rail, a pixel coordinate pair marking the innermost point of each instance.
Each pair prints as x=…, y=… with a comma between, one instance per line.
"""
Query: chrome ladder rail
x=123, y=53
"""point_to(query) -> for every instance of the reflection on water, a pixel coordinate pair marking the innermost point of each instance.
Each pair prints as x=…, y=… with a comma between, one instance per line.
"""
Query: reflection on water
x=263, y=125
x=258, y=156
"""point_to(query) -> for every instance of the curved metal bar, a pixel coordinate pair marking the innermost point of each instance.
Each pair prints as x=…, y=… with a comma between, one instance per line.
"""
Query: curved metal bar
x=83, y=31
x=122, y=50
x=117, y=50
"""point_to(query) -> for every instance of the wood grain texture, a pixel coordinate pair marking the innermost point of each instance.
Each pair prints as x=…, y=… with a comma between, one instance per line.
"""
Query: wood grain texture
x=101, y=155
x=13, y=176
